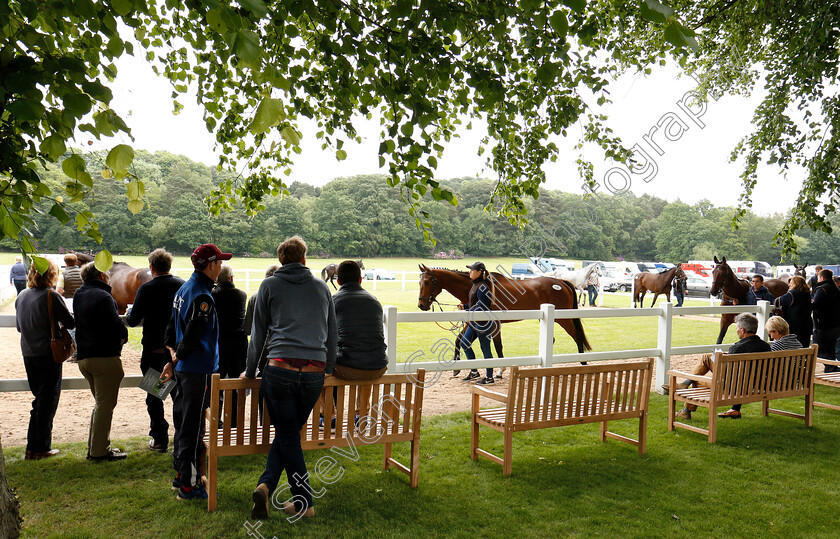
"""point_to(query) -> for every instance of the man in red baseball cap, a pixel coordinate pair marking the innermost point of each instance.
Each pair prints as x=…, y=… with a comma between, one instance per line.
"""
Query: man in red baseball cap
x=193, y=340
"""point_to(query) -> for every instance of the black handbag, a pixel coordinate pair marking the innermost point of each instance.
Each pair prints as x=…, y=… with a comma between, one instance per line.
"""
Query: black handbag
x=61, y=343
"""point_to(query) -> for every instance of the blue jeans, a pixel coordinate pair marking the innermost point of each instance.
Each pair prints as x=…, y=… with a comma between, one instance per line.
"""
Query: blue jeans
x=593, y=294
x=483, y=341
x=680, y=298
x=289, y=396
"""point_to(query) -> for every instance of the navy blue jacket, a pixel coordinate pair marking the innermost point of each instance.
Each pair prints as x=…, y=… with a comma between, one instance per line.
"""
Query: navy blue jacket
x=153, y=307
x=754, y=295
x=361, y=337
x=100, y=331
x=193, y=331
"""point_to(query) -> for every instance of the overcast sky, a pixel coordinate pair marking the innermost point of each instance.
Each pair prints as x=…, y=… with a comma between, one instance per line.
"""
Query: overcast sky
x=694, y=165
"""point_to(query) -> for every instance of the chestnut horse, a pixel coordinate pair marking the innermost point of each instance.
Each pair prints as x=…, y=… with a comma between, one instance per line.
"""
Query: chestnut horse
x=507, y=295
x=331, y=270
x=658, y=283
x=735, y=291
x=125, y=280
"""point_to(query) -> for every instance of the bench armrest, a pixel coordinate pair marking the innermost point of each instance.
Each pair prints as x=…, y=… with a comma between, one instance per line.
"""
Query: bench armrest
x=693, y=377
x=828, y=362
x=496, y=396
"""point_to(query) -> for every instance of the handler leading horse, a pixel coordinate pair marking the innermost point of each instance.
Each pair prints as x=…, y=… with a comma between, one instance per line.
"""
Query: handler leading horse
x=508, y=295
x=735, y=291
x=578, y=278
x=658, y=283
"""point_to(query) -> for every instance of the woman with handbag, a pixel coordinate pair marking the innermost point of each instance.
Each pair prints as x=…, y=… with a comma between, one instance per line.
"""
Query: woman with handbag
x=795, y=306
x=41, y=316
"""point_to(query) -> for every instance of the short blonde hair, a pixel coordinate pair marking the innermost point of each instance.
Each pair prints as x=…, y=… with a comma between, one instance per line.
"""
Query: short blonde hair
x=47, y=280
x=292, y=250
x=777, y=324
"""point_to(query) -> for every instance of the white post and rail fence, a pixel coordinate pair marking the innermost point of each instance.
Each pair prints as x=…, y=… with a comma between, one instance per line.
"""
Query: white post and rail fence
x=547, y=314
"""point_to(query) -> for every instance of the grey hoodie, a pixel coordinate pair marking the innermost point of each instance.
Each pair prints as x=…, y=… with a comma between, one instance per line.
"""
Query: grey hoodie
x=294, y=313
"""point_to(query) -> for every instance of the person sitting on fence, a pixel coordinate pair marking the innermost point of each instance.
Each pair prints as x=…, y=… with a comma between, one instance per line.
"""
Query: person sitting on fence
x=758, y=291
x=481, y=299
x=746, y=327
x=100, y=336
x=233, y=344
x=192, y=338
x=361, y=337
x=43, y=374
x=153, y=308
x=295, y=314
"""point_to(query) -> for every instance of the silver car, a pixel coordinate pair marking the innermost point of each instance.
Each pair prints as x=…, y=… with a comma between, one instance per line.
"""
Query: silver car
x=696, y=286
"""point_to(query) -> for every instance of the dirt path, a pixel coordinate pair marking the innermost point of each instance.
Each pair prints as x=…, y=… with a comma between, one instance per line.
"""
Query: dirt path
x=449, y=394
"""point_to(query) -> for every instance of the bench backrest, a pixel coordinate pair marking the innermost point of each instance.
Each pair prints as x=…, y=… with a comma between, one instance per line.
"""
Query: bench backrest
x=563, y=395
x=751, y=377
x=389, y=409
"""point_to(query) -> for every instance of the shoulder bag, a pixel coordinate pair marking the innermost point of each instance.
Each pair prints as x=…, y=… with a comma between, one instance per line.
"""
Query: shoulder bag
x=61, y=343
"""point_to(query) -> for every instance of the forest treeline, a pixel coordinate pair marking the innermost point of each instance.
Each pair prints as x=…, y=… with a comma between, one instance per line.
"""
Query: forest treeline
x=362, y=216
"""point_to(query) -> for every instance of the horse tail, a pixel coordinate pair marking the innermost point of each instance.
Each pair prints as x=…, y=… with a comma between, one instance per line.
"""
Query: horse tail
x=324, y=274
x=580, y=336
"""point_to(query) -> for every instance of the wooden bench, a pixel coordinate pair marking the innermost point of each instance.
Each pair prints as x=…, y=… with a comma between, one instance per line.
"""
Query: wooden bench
x=744, y=378
x=389, y=408
x=830, y=379
x=570, y=395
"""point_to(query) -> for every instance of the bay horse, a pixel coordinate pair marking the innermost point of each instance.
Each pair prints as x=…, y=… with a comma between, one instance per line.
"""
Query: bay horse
x=125, y=280
x=329, y=272
x=658, y=283
x=578, y=278
x=799, y=270
x=508, y=295
x=735, y=291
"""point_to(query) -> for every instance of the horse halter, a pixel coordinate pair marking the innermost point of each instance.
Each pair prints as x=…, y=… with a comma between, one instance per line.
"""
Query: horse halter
x=430, y=298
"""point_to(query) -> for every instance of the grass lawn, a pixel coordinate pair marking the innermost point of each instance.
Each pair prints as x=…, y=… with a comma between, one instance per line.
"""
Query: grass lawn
x=765, y=477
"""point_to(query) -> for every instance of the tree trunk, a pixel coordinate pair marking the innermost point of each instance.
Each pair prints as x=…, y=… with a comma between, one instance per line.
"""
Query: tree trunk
x=9, y=510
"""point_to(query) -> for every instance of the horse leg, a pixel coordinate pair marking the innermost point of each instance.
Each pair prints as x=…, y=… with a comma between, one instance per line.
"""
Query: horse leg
x=497, y=343
x=642, y=293
x=576, y=334
x=726, y=320
x=332, y=281
x=655, y=295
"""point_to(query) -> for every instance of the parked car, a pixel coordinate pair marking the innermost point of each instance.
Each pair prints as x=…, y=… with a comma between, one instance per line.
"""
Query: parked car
x=525, y=271
x=617, y=281
x=379, y=274
x=698, y=286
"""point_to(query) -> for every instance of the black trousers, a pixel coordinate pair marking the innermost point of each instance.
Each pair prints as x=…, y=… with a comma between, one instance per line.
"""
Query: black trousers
x=233, y=352
x=44, y=377
x=188, y=407
x=826, y=339
x=158, y=426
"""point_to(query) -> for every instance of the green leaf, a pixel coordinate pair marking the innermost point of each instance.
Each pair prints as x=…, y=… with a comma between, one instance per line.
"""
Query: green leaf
x=215, y=20
x=53, y=147
x=122, y=7
x=559, y=23
x=679, y=37
x=655, y=11
x=257, y=7
x=135, y=206
x=246, y=46
x=10, y=226
x=41, y=264
x=120, y=157
x=73, y=166
x=290, y=135
x=132, y=190
x=58, y=212
x=85, y=179
x=269, y=113
x=576, y=5
x=341, y=155
x=103, y=261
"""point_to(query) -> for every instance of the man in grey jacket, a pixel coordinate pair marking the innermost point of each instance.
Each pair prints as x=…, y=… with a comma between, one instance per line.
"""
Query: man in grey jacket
x=294, y=313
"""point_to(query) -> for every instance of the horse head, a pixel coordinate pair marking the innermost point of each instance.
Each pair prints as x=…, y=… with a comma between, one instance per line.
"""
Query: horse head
x=680, y=274
x=720, y=274
x=429, y=288
x=800, y=270
x=361, y=265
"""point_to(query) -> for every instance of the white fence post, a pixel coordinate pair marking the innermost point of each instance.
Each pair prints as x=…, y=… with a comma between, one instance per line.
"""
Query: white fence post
x=547, y=334
x=763, y=314
x=663, y=342
x=390, y=323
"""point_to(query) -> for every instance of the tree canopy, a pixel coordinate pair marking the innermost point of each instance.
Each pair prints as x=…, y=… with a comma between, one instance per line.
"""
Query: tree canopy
x=531, y=69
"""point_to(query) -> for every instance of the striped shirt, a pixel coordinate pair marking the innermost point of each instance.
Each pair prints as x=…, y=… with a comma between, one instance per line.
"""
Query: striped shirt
x=788, y=342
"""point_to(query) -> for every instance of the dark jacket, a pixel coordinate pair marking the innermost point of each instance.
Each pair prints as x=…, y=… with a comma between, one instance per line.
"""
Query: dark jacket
x=753, y=343
x=99, y=330
x=361, y=337
x=826, y=305
x=32, y=320
x=753, y=295
x=233, y=344
x=796, y=310
x=294, y=313
x=193, y=330
x=481, y=299
x=18, y=272
x=153, y=307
